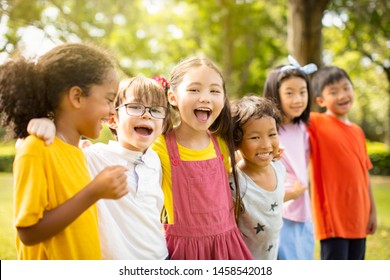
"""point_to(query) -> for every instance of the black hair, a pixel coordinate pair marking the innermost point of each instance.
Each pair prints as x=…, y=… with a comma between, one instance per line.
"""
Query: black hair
x=326, y=76
x=272, y=85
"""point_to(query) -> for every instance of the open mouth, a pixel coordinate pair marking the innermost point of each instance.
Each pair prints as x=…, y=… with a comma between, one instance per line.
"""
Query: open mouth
x=143, y=130
x=202, y=114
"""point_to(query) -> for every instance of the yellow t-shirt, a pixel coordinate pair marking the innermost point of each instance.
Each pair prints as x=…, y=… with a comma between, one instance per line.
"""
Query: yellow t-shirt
x=160, y=147
x=44, y=178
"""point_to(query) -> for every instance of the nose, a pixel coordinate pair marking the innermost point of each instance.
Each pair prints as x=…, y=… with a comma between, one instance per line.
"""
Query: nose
x=147, y=114
x=112, y=109
x=297, y=98
x=342, y=94
x=264, y=142
x=204, y=97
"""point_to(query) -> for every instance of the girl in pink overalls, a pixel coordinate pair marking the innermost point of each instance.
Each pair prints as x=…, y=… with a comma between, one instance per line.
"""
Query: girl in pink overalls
x=200, y=215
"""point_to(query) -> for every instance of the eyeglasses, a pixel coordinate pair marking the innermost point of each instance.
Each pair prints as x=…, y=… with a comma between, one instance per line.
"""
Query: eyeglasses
x=138, y=110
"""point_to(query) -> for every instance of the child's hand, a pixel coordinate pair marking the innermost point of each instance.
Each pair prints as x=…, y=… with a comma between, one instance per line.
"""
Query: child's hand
x=298, y=190
x=85, y=143
x=372, y=223
x=279, y=154
x=110, y=183
x=43, y=128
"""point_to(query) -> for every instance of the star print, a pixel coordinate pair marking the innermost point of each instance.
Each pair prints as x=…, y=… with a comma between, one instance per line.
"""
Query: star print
x=269, y=248
x=259, y=228
x=273, y=206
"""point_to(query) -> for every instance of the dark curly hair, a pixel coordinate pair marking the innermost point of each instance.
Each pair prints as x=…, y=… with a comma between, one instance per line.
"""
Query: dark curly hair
x=34, y=88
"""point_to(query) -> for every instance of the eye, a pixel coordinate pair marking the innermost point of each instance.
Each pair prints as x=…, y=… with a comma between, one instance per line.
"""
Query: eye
x=193, y=90
x=134, y=106
x=157, y=110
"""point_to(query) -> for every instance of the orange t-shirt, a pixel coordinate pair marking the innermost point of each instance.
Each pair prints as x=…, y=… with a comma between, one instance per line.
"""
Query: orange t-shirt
x=340, y=180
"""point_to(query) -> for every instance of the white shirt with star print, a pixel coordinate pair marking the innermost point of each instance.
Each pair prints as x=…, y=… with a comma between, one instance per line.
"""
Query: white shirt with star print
x=262, y=220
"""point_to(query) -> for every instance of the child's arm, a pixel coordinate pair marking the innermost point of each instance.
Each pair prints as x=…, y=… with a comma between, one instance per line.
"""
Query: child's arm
x=297, y=191
x=372, y=221
x=110, y=183
x=43, y=128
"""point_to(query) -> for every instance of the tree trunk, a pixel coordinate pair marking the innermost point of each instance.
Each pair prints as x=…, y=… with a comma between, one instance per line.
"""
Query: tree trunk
x=304, y=30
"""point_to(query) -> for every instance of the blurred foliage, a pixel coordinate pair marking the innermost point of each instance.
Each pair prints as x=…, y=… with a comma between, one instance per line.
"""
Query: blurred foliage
x=381, y=163
x=246, y=38
x=377, y=147
x=380, y=157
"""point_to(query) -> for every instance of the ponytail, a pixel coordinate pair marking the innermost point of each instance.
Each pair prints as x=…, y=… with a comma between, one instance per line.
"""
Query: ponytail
x=22, y=96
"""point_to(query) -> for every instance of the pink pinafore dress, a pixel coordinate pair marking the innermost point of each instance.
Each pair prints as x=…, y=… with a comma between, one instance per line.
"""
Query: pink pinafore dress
x=204, y=226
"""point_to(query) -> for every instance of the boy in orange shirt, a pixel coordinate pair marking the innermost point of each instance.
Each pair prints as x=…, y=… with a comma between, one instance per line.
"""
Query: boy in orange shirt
x=343, y=204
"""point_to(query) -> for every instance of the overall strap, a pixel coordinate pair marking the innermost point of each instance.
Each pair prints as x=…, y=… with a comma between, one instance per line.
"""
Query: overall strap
x=173, y=150
x=216, y=146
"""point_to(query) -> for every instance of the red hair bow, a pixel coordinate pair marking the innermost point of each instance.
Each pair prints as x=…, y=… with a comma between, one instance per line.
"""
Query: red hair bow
x=162, y=81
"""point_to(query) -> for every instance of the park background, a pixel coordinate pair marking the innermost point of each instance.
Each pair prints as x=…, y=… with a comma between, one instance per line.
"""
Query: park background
x=246, y=38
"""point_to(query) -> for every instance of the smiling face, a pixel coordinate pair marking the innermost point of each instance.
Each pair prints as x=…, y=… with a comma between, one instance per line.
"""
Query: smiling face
x=137, y=133
x=260, y=142
x=293, y=98
x=98, y=106
x=199, y=98
x=337, y=98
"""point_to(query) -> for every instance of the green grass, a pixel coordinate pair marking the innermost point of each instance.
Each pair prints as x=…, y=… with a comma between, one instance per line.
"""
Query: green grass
x=7, y=231
x=377, y=245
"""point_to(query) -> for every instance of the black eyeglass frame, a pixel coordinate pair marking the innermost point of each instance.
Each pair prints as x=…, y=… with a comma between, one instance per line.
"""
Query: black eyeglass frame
x=149, y=108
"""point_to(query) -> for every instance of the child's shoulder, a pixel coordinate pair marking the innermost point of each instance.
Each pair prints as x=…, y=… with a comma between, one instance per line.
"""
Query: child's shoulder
x=159, y=145
x=30, y=143
x=279, y=167
x=316, y=115
x=97, y=148
x=321, y=119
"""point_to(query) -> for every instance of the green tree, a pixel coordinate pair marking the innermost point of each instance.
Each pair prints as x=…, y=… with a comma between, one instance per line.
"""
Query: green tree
x=246, y=38
x=358, y=33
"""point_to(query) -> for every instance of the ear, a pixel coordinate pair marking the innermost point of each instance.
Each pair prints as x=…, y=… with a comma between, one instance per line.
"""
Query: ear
x=112, y=122
x=74, y=95
x=172, y=98
x=320, y=101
